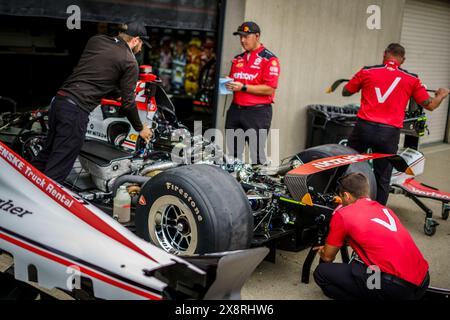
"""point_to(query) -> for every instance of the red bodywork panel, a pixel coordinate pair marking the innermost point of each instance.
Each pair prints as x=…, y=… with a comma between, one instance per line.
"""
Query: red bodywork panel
x=297, y=180
x=423, y=191
x=335, y=162
x=142, y=100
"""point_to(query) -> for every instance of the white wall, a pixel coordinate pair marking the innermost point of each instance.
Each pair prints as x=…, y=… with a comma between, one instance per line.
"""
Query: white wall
x=317, y=41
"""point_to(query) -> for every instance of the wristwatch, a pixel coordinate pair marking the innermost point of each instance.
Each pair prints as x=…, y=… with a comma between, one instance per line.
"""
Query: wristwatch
x=244, y=88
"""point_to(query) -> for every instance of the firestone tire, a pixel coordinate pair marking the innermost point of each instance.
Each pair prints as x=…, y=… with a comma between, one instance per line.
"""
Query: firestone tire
x=202, y=204
x=319, y=181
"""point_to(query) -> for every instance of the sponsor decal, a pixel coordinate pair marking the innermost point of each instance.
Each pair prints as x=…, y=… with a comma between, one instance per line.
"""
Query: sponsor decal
x=340, y=161
x=57, y=193
x=38, y=180
x=246, y=29
x=274, y=69
x=188, y=199
x=430, y=194
x=96, y=134
x=240, y=65
x=133, y=137
x=245, y=76
x=8, y=206
x=274, y=63
x=258, y=61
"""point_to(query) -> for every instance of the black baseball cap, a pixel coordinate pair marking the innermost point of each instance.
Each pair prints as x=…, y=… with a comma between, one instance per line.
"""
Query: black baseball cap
x=137, y=29
x=247, y=28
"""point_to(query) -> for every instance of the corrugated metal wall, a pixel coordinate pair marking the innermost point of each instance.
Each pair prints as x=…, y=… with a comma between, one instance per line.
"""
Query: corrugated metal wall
x=426, y=36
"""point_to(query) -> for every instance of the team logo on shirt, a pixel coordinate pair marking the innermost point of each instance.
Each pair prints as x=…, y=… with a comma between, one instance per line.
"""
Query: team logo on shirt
x=245, y=76
x=240, y=65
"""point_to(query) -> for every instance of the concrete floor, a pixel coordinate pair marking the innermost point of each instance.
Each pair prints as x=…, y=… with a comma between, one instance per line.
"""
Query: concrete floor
x=281, y=281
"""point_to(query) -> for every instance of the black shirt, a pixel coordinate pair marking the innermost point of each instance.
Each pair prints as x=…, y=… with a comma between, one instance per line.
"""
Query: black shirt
x=107, y=65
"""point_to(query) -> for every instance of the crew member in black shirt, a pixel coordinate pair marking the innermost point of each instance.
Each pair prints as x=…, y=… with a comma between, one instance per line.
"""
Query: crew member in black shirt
x=108, y=64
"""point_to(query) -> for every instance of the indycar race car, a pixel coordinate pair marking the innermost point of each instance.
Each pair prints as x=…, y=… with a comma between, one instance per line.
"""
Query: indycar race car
x=57, y=240
x=215, y=205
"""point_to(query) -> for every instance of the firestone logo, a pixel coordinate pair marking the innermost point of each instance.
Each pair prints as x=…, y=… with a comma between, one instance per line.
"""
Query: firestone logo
x=245, y=76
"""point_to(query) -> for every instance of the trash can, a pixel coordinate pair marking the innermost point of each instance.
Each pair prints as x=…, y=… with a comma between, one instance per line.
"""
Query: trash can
x=330, y=124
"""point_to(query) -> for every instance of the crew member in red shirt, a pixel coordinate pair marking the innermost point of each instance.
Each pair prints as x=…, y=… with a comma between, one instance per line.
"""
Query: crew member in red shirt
x=386, y=92
x=255, y=76
x=386, y=265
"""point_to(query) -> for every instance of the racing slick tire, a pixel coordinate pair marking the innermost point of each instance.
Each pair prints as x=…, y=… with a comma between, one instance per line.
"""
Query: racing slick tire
x=194, y=209
x=320, y=181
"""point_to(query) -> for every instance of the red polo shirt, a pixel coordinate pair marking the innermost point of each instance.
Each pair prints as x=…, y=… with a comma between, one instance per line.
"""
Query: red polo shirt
x=255, y=68
x=386, y=91
x=378, y=237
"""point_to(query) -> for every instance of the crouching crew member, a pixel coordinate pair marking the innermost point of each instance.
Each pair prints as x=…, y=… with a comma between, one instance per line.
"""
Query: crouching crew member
x=386, y=265
x=255, y=73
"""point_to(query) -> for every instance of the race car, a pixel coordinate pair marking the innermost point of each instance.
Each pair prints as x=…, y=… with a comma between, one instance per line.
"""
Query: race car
x=58, y=240
x=216, y=205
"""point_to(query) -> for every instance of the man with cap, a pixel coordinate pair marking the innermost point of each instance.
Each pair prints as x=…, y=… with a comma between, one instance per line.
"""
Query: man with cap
x=107, y=65
x=255, y=75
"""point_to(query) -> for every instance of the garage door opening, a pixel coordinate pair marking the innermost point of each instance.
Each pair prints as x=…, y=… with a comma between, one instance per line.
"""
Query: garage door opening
x=38, y=52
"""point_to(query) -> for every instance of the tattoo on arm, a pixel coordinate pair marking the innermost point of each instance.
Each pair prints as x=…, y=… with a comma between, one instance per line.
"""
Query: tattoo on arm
x=426, y=103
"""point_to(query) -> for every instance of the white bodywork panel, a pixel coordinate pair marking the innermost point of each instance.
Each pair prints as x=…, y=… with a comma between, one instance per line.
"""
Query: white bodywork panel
x=39, y=227
x=415, y=160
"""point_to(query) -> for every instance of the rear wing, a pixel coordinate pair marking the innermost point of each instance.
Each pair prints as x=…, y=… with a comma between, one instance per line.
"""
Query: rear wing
x=297, y=179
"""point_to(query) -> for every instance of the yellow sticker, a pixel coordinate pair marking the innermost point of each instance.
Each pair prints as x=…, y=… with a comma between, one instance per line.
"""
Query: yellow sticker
x=133, y=137
x=274, y=63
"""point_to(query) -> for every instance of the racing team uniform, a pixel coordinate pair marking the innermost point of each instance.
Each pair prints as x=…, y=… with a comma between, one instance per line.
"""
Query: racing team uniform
x=249, y=111
x=386, y=92
x=107, y=66
x=379, y=239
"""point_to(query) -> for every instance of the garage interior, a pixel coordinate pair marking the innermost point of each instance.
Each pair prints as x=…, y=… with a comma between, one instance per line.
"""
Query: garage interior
x=38, y=51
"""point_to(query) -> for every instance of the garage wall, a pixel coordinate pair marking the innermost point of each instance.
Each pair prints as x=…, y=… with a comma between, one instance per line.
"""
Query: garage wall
x=426, y=36
x=234, y=16
x=317, y=41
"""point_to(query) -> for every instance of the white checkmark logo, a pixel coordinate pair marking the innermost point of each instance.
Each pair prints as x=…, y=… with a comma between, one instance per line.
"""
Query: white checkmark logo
x=382, y=98
x=391, y=225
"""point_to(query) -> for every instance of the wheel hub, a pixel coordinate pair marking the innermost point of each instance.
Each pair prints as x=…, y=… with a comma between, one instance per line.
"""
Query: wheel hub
x=173, y=226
